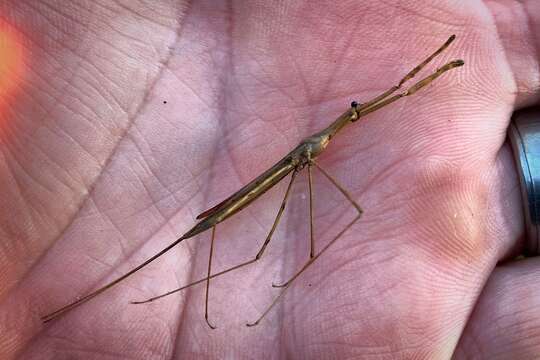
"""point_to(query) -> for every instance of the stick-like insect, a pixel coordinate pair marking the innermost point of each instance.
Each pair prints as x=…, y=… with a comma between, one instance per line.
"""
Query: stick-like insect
x=304, y=155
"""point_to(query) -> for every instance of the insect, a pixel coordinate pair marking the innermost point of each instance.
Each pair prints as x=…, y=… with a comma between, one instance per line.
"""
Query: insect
x=303, y=156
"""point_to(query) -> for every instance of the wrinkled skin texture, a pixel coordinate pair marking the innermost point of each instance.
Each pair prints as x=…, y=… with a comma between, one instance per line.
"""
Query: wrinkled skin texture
x=98, y=174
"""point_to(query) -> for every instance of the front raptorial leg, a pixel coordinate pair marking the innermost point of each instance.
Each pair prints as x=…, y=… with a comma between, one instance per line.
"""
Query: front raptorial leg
x=287, y=284
x=408, y=76
x=363, y=111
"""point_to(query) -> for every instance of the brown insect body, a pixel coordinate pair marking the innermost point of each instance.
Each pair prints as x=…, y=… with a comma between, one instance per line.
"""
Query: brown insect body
x=308, y=149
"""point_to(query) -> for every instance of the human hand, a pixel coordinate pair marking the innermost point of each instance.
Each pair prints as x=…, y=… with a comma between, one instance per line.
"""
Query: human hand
x=99, y=174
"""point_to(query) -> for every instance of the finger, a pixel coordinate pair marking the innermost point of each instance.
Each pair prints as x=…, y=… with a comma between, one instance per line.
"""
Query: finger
x=518, y=23
x=504, y=216
x=504, y=323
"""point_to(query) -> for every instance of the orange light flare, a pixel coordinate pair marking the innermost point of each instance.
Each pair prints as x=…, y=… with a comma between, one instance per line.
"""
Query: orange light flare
x=12, y=58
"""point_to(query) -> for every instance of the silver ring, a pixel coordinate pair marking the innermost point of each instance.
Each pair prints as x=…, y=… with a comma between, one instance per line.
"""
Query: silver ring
x=524, y=135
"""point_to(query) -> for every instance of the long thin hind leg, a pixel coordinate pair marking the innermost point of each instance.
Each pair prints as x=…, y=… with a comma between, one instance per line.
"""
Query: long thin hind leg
x=287, y=284
x=257, y=257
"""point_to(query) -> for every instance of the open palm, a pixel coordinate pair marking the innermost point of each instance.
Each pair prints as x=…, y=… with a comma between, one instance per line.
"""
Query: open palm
x=132, y=117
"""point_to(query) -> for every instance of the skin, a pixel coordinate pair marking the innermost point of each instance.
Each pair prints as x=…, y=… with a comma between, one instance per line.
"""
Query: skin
x=98, y=174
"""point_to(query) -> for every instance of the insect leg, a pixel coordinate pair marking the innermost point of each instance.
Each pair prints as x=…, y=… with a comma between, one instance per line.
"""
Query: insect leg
x=311, y=237
x=417, y=86
x=287, y=284
x=257, y=257
x=407, y=77
x=208, y=278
